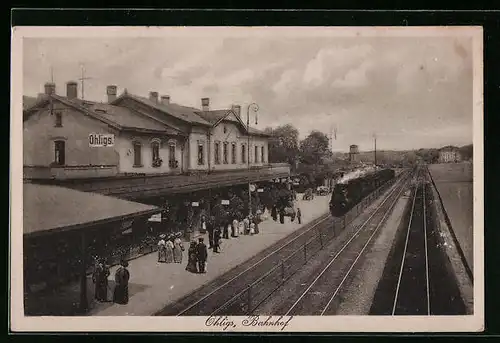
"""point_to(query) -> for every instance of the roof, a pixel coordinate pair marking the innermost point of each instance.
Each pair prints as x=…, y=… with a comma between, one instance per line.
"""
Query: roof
x=48, y=208
x=120, y=117
x=449, y=148
x=184, y=113
x=29, y=101
x=218, y=115
x=124, y=117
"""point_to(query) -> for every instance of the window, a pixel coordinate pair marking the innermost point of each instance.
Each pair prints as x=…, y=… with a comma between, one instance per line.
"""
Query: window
x=225, y=153
x=262, y=158
x=155, y=150
x=201, y=158
x=172, y=162
x=58, y=119
x=60, y=153
x=155, y=147
x=243, y=153
x=256, y=154
x=233, y=153
x=137, y=154
x=225, y=129
x=217, y=153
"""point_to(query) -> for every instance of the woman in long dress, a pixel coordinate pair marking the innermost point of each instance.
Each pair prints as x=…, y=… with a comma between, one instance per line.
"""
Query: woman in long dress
x=169, y=250
x=191, y=266
x=161, y=249
x=178, y=248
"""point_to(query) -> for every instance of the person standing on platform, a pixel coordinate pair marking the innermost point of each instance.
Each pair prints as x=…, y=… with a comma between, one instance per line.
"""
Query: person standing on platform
x=169, y=250
x=100, y=279
x=201, y=255
x=122, y=276
x=210, y=228
x=162, y=254
x=216, y=240
x=299, y=215
x=203, y=224
x=178, y=248
x=246, y=225
x=192, y=258
x=241, y=228
x=234, y=228
x=256, y=221
x=274, y=213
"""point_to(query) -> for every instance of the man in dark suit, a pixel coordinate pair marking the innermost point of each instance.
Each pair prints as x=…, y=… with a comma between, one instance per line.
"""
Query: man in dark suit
x=216, y=239
x=201, y=255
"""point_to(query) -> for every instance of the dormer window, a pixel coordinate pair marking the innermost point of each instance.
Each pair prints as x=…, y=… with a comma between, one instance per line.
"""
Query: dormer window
x=58, y=119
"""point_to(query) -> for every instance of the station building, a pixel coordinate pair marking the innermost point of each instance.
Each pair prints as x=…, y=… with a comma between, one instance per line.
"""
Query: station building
x=145, y=150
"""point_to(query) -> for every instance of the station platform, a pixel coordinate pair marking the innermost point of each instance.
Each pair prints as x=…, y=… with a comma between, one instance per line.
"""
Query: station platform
x=154, y=285
x=455, y=186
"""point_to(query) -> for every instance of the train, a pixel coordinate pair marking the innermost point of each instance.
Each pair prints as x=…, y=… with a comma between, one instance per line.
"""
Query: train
x=353, y=187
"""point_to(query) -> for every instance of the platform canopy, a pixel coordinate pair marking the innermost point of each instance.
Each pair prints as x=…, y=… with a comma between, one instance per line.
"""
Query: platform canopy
x=49, y=208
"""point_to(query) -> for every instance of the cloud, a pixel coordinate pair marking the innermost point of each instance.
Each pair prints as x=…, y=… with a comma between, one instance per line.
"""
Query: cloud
x=361, y=85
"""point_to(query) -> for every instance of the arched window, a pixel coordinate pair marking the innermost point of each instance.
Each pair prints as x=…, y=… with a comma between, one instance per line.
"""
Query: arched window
x=137, y=154
x=172, y=162
x=233, y=153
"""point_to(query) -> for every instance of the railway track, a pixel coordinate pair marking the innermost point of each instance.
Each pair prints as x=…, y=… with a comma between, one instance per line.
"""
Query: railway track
x=418, y=278
x=225, y=294
x=320, y=296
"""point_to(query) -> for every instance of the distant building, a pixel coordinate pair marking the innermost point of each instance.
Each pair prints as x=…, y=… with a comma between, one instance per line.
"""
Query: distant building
x=449, y=154
x=353, y=153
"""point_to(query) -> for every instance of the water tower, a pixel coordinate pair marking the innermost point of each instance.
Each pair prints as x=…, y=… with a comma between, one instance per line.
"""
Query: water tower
x=353, y=153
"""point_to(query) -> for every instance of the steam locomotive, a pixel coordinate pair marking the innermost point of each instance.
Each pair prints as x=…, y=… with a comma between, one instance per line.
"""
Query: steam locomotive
x=350, y=192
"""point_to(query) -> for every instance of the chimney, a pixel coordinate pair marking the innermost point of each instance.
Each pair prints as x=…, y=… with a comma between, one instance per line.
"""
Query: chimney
x=71, y=90
x=50, y=88
x=165, y=99
x=111, y=92
x=153, y=96
x=237, y=110
x=205, y=104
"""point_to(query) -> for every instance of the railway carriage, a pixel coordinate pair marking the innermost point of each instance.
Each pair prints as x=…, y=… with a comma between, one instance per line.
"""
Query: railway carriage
x=349, y=193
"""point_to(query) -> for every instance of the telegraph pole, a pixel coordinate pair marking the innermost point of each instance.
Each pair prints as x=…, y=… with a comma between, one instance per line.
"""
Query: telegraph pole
x=375, y=151
x=255, y=108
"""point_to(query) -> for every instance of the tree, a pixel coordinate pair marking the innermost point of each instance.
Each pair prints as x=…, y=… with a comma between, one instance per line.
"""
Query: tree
x=466, y=151
x=314, y=148
x=284, y=144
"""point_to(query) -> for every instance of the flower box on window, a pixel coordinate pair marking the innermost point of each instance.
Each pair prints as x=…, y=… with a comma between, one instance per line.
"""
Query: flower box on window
x=173, y=164
x=157, y=162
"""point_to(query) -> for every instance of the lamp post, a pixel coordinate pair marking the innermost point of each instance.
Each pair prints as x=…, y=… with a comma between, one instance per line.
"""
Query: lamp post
x=255, y=108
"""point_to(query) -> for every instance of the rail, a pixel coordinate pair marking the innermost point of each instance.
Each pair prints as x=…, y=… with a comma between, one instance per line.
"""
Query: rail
x=252, y=296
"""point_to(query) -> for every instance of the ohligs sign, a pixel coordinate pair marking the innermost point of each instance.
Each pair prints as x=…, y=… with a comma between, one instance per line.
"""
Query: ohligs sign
x=97, y=140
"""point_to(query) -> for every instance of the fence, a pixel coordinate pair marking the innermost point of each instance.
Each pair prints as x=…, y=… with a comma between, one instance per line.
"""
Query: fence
x=247, y=300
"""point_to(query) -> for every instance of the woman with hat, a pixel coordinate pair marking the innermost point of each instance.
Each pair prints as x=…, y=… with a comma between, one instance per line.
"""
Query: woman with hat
x=169, y=249
x=178, y=248
x=162, y=254
x=191, y=266
x=122, y=275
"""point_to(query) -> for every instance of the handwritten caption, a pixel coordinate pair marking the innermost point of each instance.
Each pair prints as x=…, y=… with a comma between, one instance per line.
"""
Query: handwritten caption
x=227, y=323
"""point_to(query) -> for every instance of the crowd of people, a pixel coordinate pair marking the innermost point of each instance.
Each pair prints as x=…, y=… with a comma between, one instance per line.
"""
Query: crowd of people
x=171, y=248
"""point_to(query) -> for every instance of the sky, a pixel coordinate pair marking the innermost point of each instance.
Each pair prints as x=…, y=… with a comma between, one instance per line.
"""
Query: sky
x=411, y=92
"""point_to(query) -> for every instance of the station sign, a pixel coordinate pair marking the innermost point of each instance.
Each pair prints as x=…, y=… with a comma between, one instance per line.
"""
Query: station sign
x=252, y=188
x=98, y=140
x=225, y=202
x=195, y=204
x=155, y=218
x=260, y=190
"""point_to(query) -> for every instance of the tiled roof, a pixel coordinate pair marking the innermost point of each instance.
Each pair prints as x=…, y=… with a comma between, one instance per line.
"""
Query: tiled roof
x=123, y=116
x=214, y=116
x=51, y=207
x=185, y=113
